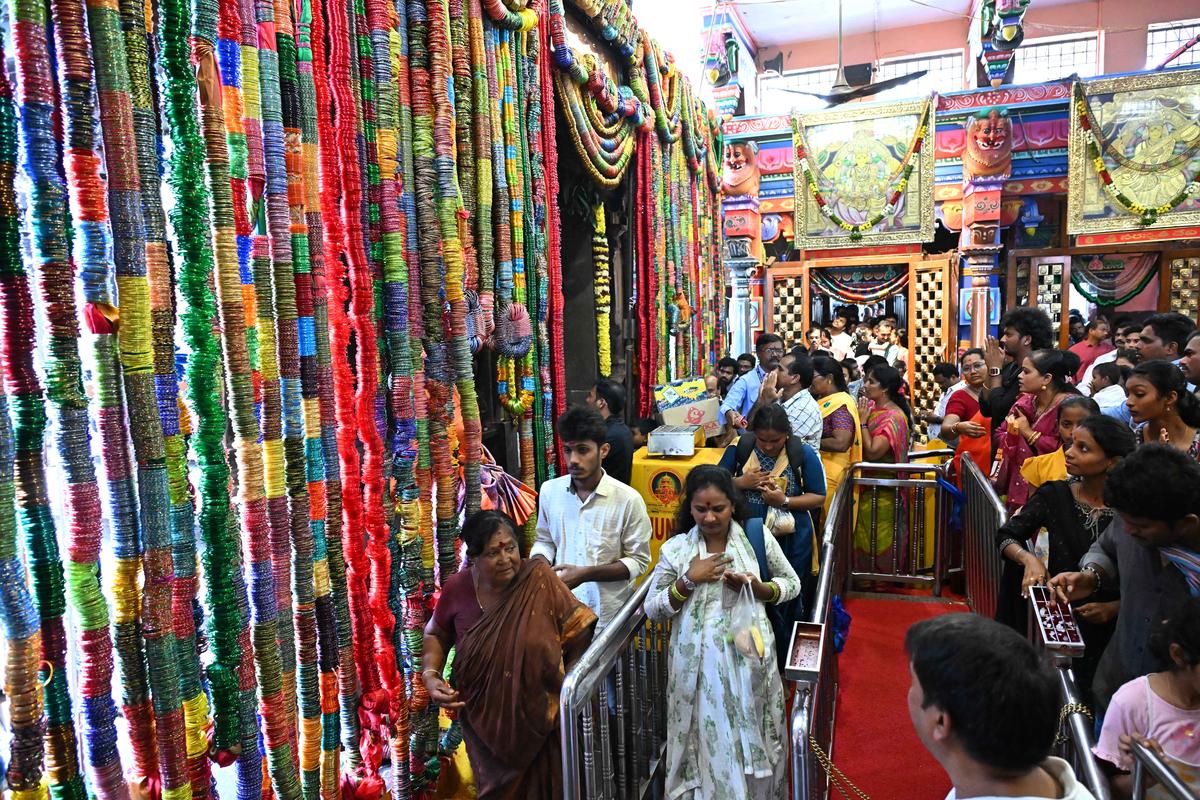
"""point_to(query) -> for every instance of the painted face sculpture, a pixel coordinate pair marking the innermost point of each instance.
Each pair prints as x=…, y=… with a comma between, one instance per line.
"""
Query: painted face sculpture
x=741, y=169
x=989, y=146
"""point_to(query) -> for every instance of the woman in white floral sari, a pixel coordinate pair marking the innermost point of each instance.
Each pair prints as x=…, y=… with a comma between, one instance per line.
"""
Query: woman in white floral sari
x=726, y=737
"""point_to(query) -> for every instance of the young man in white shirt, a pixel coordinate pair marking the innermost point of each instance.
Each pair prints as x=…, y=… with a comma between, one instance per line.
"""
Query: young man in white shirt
x=985, y=705
x=593, y=529
x=842, y=341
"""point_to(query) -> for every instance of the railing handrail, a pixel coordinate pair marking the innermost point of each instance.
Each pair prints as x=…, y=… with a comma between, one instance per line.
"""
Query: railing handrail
x=1145, y=759
x=939, y=453
x=601, y=654
x=1080, y=726
x=887, y=466
x=971, y=470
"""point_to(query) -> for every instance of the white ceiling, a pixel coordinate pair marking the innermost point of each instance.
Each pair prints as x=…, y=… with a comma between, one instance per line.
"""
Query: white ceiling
x=777, y=22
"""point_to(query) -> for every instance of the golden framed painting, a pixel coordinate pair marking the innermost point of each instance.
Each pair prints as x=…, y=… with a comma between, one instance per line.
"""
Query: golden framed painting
x=864, y=175
x=1134, y=153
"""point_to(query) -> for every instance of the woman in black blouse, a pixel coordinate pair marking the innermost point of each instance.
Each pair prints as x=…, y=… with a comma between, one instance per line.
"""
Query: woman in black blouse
x=1073, y=514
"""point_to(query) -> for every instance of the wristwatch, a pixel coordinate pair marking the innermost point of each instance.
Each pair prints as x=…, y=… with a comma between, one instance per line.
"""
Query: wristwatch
x=1095, y=574
x=994, y=372
x=688, y=583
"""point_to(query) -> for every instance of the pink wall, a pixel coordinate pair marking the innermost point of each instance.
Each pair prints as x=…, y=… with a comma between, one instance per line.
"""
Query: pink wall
x=1122, y=48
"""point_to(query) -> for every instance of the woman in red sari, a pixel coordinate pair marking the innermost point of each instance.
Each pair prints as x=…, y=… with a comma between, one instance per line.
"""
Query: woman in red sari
x=517, y=629
x=1032, y=425
x=963, y=419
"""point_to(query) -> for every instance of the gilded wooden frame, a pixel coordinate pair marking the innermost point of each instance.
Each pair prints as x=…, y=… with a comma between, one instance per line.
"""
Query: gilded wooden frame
x=1080, y=169
x=923, y=173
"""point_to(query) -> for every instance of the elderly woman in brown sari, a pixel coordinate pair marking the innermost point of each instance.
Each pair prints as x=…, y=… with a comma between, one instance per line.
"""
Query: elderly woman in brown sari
x=517, y=629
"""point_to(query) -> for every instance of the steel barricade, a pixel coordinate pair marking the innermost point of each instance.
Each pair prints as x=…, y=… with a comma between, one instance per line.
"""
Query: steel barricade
x=814, y=705
x=983, y=514
x=613, y=708
x=1075, y=744
x=1146, y=760
x=908, y=489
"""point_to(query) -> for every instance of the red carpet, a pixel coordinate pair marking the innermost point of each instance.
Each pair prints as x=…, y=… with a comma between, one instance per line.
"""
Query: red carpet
x=874, y=741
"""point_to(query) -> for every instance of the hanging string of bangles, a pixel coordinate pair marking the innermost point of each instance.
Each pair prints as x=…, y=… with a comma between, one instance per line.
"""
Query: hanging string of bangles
x=257, y=248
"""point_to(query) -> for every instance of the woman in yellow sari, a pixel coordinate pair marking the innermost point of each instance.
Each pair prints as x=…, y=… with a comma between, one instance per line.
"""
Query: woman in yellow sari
x=841, y=439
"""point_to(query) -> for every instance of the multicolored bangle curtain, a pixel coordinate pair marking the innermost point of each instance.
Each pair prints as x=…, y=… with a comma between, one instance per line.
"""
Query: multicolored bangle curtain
x=362, y=195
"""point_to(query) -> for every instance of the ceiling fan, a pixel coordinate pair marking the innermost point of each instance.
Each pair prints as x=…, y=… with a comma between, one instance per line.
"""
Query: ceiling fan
x=858, y=85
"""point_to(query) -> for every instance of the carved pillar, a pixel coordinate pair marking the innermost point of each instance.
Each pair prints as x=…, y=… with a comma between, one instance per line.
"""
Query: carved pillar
x=987, y=164
x=743, y=274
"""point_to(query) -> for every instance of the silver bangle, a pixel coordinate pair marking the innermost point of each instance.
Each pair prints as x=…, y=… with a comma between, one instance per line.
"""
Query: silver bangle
x=1095, y=573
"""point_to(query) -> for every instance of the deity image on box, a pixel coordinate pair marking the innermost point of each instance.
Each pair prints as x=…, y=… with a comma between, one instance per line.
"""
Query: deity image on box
x=864, y=174
x=1135, y=153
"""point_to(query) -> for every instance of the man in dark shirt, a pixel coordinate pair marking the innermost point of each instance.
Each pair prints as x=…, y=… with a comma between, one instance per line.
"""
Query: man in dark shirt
x=1022, y=331
x=1149, y=551
x=608, y=398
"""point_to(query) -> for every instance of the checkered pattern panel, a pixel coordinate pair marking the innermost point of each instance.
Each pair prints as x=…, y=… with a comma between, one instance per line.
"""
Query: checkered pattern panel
x=928, y=346
x=1022, y=290
x=1185, y=286
x=1050, y=291
x=787, y=308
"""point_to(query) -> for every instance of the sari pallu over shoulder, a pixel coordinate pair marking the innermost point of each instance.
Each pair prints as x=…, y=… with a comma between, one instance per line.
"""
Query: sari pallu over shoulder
x=508, y=670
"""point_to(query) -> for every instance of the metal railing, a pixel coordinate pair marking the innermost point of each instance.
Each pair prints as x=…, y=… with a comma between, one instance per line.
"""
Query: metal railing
x=907, y=489
x=983, y=514
x=814, y=707
x=1146, y=760
x=1075, y=746
x=613, y=708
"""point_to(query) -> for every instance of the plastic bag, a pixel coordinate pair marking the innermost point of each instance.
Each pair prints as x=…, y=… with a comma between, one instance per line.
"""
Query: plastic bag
x=747, y=635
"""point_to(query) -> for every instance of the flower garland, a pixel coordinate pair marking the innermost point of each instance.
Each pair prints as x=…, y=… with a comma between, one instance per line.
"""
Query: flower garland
x=132, y=53
x=896, y=183
x=1096, y=146
x=602, y=286
x=191, y=219
x=22, y=465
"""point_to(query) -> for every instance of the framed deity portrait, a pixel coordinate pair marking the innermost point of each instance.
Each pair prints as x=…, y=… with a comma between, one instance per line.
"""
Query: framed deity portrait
x=1135, y=153
x=864, y=175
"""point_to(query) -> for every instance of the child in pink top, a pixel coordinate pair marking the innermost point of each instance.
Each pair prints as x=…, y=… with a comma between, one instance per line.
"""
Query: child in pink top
x=1162, y=710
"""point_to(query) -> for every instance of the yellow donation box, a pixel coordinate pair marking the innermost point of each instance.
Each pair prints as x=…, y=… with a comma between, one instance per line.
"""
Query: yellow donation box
x=659, y=480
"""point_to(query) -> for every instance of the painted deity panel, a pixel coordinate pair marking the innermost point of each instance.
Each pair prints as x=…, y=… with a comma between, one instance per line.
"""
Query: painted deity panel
x=865, y=176
x=1135, y=153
